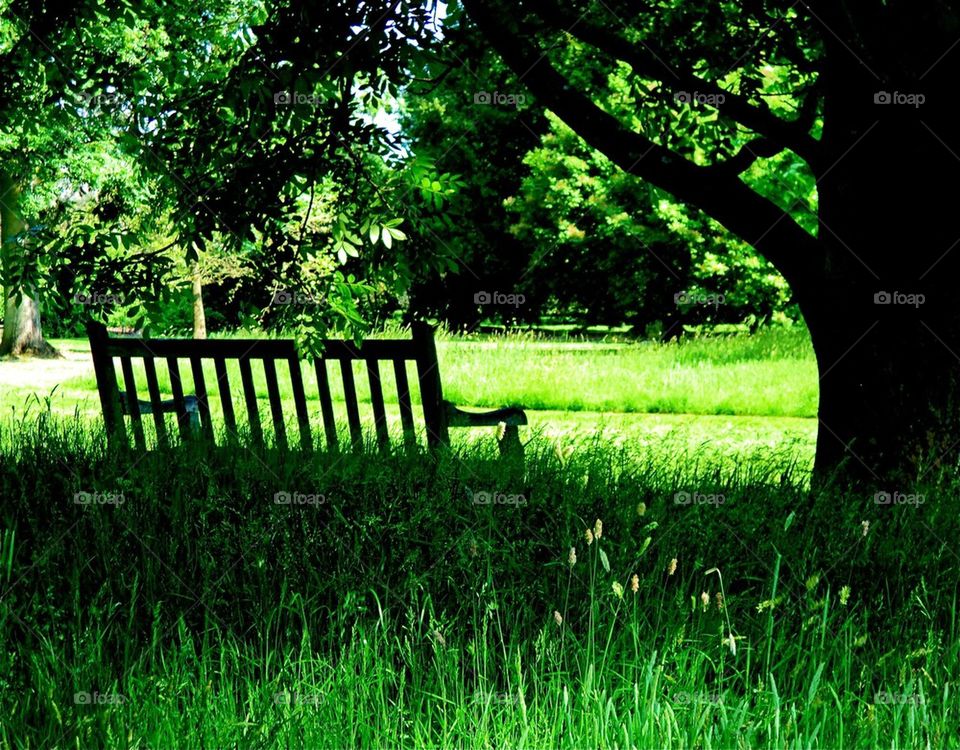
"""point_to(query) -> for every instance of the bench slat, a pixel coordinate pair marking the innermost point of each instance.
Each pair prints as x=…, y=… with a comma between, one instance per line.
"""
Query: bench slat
x=276, y=405
x=156, y=405
x=250, y=398
x=403, y=397
x=226, y=398
x=350, y=396
x=300, y=402
x=326, y=403
x=203, y=403
x=176, y=387
x=130, y=384
x=376, y=400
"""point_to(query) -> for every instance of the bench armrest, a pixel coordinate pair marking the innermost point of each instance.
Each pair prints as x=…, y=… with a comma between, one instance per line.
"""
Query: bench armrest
x=511, y=417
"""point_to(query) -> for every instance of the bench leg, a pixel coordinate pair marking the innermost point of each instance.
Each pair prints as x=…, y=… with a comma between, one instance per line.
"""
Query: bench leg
x=510, y=445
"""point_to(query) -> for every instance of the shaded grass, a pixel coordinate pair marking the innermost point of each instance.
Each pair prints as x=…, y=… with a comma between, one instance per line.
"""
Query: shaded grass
x=400, y=612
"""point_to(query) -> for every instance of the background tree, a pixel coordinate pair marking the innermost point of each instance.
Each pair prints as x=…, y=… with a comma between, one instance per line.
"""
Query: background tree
x=548, y=216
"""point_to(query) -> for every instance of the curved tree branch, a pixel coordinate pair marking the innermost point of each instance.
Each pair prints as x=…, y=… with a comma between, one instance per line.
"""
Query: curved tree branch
x=650, y=63
x=718, y=193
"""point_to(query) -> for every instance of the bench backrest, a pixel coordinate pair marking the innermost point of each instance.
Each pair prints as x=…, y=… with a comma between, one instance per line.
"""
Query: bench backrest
x=189, y=408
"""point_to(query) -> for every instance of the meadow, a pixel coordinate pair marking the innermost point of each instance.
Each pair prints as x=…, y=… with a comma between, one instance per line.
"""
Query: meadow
x=712, y=399
x=640, y=580
x=169, y=599
x=772, y=373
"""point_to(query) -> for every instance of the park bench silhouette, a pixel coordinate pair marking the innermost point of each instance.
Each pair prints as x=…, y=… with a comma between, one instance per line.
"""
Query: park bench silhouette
x=190, y=407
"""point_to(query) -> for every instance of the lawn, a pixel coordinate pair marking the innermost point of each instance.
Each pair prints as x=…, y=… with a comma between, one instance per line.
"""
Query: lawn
x=169, y=600
x=640, y=580
x=721, y=399
x=771, y=374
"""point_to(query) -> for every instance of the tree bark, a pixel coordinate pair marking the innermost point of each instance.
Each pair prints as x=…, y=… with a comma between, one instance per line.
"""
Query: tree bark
x=883, y=317
x=199, y=315
x=22, y=332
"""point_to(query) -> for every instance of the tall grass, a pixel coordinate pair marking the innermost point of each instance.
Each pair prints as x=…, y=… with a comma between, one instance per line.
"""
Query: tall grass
x=429, y=600
x=772, y=373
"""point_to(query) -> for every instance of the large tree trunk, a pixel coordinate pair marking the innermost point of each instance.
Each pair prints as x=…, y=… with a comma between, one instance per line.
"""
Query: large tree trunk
x=22, y=333
x=885, y=319
x=199, y=315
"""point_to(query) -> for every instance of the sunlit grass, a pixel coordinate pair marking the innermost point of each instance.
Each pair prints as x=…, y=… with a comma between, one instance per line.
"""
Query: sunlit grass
x=772, y=373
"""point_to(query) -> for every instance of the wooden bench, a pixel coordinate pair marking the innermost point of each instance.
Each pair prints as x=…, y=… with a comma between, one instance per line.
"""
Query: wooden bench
x=190, y=406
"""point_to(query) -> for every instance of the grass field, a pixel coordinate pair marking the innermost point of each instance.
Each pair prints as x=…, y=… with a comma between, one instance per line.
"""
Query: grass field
x=730, y=399
x=170, y=600
x=770, y=374
x=195, y=597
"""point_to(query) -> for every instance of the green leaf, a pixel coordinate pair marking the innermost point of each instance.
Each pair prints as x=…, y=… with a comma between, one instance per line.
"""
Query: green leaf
x=789, y=522
x=603, y=559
